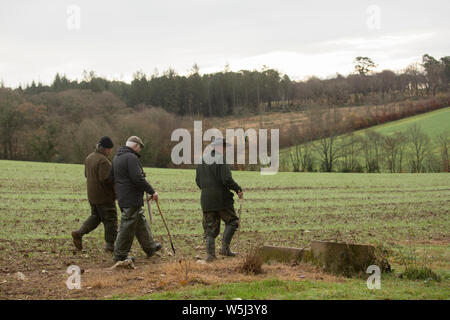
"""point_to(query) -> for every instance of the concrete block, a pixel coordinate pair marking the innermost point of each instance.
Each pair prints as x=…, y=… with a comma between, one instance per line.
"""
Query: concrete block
x=281, y=254
x=343, y=258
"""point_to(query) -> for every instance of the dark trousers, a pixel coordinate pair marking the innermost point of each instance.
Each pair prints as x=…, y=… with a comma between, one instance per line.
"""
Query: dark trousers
x=211, y=221
x=133, y=223
x=106, y=213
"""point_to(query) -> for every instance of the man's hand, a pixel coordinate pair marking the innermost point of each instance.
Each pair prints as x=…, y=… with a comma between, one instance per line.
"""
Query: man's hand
x=241, y=195
x=155, y=196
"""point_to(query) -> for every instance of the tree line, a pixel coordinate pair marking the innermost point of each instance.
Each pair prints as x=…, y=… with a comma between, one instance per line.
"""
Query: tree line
x=65, y=126
x=227, y=92
x=62, y=122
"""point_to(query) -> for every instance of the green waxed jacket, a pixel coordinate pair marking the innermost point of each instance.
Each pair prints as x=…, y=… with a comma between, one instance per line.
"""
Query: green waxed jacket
x=215, y=181
x=100, y=188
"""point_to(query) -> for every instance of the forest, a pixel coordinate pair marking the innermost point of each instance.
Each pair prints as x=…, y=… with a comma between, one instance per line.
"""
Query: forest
x=62, y=121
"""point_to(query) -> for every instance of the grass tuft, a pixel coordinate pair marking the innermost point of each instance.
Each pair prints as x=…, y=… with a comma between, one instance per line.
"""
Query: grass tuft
x=252, y=263
x=421, y=273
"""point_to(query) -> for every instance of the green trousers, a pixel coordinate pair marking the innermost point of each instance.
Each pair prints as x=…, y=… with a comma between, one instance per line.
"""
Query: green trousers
x=133, y=223
x=106, y=213
x=211, y=221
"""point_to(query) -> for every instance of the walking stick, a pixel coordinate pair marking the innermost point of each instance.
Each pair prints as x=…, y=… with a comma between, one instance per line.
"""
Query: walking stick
x=149, y=207
x=239, y=219
x=165, y=224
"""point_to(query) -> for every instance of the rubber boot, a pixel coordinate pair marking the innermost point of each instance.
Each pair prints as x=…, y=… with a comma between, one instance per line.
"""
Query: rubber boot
x=226, y=240
x=109, y=247
x=210, y=249
x=90, y=224
x=133, y=259
x=158, y=247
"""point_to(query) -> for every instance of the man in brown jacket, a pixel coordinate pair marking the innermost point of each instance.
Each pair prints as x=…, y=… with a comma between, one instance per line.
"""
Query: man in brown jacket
x=101, y=195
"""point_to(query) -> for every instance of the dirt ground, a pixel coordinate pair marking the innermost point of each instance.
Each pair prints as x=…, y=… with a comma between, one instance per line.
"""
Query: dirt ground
x=46, y=276
x=44, y=264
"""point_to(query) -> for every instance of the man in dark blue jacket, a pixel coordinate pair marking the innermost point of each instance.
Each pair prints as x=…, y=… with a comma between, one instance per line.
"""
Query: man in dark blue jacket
x=130, y=185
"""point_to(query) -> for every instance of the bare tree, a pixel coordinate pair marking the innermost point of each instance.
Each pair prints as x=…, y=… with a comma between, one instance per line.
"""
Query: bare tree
x=415, y=76
x=434, y=70
x=443, y=141
x=328, y=146
x=387, y=80
x=393, y=151
x=371, y=146
x=351, y=148
x=301, y=157
x=419, y=146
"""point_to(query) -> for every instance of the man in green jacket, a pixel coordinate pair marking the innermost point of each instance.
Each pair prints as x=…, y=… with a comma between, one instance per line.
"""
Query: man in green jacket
x=101, y=196
x=215, y=181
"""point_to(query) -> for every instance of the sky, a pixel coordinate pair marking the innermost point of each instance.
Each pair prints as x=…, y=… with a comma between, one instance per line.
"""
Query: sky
x=299, y=38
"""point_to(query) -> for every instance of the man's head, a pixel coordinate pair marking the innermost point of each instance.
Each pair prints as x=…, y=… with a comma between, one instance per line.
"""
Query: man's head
x=105, y=145
x=135, y=143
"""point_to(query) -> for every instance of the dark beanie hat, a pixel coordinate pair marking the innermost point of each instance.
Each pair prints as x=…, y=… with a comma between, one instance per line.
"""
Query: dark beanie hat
x=106, y=142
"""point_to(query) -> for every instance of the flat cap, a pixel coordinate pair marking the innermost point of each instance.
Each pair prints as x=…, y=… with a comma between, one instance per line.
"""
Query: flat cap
x=136, y=140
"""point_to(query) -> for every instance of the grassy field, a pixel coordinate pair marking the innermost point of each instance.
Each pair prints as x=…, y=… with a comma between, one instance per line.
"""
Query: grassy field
x=433, y=123
x=41, y=203
x=392, y=288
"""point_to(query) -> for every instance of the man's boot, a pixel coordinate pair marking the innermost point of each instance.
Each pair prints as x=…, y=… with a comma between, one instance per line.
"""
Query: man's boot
x=158, y=247
x=210, y=249
x=133, y=259
x=90, y=224
x=226, y=240
x=77, y=240
x=109, y=247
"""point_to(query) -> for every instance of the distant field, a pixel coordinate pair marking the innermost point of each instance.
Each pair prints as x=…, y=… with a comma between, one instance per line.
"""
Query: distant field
x=433, y=123
x=41, y=203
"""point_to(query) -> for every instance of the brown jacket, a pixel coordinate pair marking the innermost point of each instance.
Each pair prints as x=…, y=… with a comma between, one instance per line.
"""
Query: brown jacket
x=100, y=188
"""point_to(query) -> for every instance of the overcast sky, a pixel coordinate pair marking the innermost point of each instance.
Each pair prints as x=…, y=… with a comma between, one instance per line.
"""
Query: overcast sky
x=299, y=38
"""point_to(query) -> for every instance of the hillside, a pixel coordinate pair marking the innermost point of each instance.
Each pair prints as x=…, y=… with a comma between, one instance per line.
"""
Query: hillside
x=432, y=123
x=281, y=120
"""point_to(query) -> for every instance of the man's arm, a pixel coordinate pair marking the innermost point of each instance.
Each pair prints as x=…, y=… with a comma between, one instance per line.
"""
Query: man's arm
x=197, y=178
x=227, y=179
x=104, y=172
x=136, y=174
x=111, y=174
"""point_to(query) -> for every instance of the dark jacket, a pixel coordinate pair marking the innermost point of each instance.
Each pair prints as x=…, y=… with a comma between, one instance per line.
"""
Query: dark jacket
x=100, y=189
x=129, y=178
x=215, y=181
